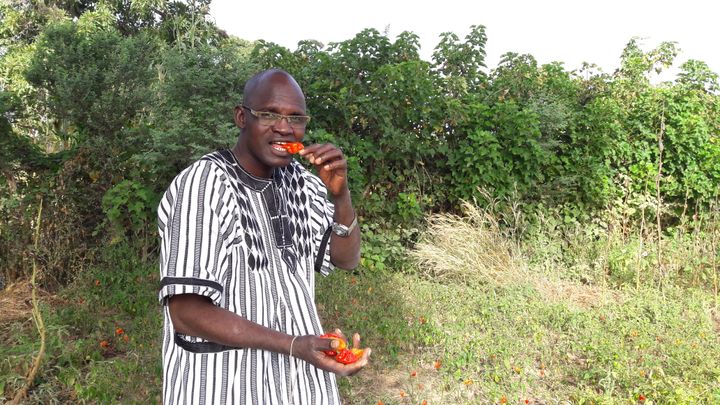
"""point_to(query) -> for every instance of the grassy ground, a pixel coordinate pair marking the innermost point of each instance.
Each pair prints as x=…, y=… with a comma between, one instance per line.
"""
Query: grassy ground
x=495, y=344
x=103, y=338
x=512, y=332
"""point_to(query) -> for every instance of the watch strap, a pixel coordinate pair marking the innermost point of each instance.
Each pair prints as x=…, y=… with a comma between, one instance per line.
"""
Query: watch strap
x=345, y=231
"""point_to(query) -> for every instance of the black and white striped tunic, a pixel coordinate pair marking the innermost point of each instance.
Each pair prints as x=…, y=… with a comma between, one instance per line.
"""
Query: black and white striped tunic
x=252, y=246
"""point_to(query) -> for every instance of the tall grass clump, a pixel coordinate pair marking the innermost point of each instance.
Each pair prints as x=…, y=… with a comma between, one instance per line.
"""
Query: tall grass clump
x=467, y=249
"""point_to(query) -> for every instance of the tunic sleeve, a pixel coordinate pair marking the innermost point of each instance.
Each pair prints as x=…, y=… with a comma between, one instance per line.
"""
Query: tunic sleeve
x=192, y=222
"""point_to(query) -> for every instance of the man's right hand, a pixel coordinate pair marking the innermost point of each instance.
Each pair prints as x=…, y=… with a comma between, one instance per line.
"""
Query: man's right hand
x=311, y=349
x=195, y=315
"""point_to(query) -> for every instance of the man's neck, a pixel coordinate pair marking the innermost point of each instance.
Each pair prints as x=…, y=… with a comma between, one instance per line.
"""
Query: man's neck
x=241, y=156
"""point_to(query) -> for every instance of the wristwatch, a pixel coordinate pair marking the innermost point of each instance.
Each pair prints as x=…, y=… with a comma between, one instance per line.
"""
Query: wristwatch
x=342, y=230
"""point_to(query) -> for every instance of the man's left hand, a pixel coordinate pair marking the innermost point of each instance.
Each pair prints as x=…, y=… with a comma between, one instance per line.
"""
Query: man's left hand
x=331, y=166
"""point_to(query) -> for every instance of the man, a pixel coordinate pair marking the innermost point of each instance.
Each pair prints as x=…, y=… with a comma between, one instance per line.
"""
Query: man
x=243, y=232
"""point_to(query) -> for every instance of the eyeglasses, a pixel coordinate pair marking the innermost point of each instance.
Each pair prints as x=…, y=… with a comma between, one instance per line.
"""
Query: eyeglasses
x=267, y=118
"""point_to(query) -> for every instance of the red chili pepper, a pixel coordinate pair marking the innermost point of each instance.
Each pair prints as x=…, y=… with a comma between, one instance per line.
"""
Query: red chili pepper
x=293, y=147
x=341, y=346
x=349, y=356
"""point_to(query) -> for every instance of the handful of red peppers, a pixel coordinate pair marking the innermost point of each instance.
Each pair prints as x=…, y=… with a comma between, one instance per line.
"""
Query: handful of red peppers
x=342, y=354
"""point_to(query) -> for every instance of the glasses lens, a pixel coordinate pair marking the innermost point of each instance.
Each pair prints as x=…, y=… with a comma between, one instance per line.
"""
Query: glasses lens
x=267, y=118
x=298, y=121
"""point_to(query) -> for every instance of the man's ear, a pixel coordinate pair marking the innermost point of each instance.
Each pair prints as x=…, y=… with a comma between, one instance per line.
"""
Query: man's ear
x=239, y=116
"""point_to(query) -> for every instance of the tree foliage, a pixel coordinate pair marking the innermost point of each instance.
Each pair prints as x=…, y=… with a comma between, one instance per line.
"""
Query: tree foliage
x=104, y=102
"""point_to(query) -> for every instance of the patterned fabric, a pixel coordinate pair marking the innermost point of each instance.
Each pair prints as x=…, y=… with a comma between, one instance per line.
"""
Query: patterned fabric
x=252, y=246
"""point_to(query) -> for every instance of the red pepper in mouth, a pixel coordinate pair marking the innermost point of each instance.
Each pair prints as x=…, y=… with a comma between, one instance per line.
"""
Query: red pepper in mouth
x=292, y=147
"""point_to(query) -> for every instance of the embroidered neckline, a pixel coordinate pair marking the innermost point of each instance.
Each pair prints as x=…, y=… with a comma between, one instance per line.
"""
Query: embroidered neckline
x=249, y=179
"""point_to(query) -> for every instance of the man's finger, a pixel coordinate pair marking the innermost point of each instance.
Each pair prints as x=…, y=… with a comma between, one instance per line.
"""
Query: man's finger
x=334, y=165
x=361, y=363
x=327, y=156
x=339, y=333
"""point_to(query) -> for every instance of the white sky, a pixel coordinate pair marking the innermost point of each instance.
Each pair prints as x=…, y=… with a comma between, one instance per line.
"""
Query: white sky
x=553, y=30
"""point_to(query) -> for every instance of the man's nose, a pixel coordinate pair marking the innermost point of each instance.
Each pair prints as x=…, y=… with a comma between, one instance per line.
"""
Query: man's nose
x=283, y=126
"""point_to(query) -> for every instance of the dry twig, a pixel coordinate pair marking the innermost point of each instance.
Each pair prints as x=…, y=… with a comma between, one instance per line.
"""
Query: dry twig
x=37, y=317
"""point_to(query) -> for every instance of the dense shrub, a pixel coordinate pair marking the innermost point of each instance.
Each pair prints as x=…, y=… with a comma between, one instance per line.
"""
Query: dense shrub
x=103, y=105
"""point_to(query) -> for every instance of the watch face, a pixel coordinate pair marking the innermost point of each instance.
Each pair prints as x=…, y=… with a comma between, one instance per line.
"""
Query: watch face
x=340, y=230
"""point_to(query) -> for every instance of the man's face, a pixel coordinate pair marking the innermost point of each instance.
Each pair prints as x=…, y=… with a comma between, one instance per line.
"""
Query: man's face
x=258, y=151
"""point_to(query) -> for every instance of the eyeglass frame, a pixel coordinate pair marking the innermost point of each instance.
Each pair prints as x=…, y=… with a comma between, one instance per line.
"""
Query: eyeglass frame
x=277, y=117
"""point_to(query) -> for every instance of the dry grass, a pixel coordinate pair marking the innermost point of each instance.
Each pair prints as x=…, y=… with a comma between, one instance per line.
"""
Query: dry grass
x=408, y=383
x=16, y=301
x=472, y=249
x=574, y=293
x=469, y=249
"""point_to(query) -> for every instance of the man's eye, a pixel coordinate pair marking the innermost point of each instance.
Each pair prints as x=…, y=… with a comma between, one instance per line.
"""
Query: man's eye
x=293, y=119
x=268, y=115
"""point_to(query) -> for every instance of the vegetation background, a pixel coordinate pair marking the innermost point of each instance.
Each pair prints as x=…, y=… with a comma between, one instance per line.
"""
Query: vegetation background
x=531, y=234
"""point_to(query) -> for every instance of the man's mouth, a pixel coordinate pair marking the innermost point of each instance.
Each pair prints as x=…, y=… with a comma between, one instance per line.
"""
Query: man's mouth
x=287, y=147
x=280, y=146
